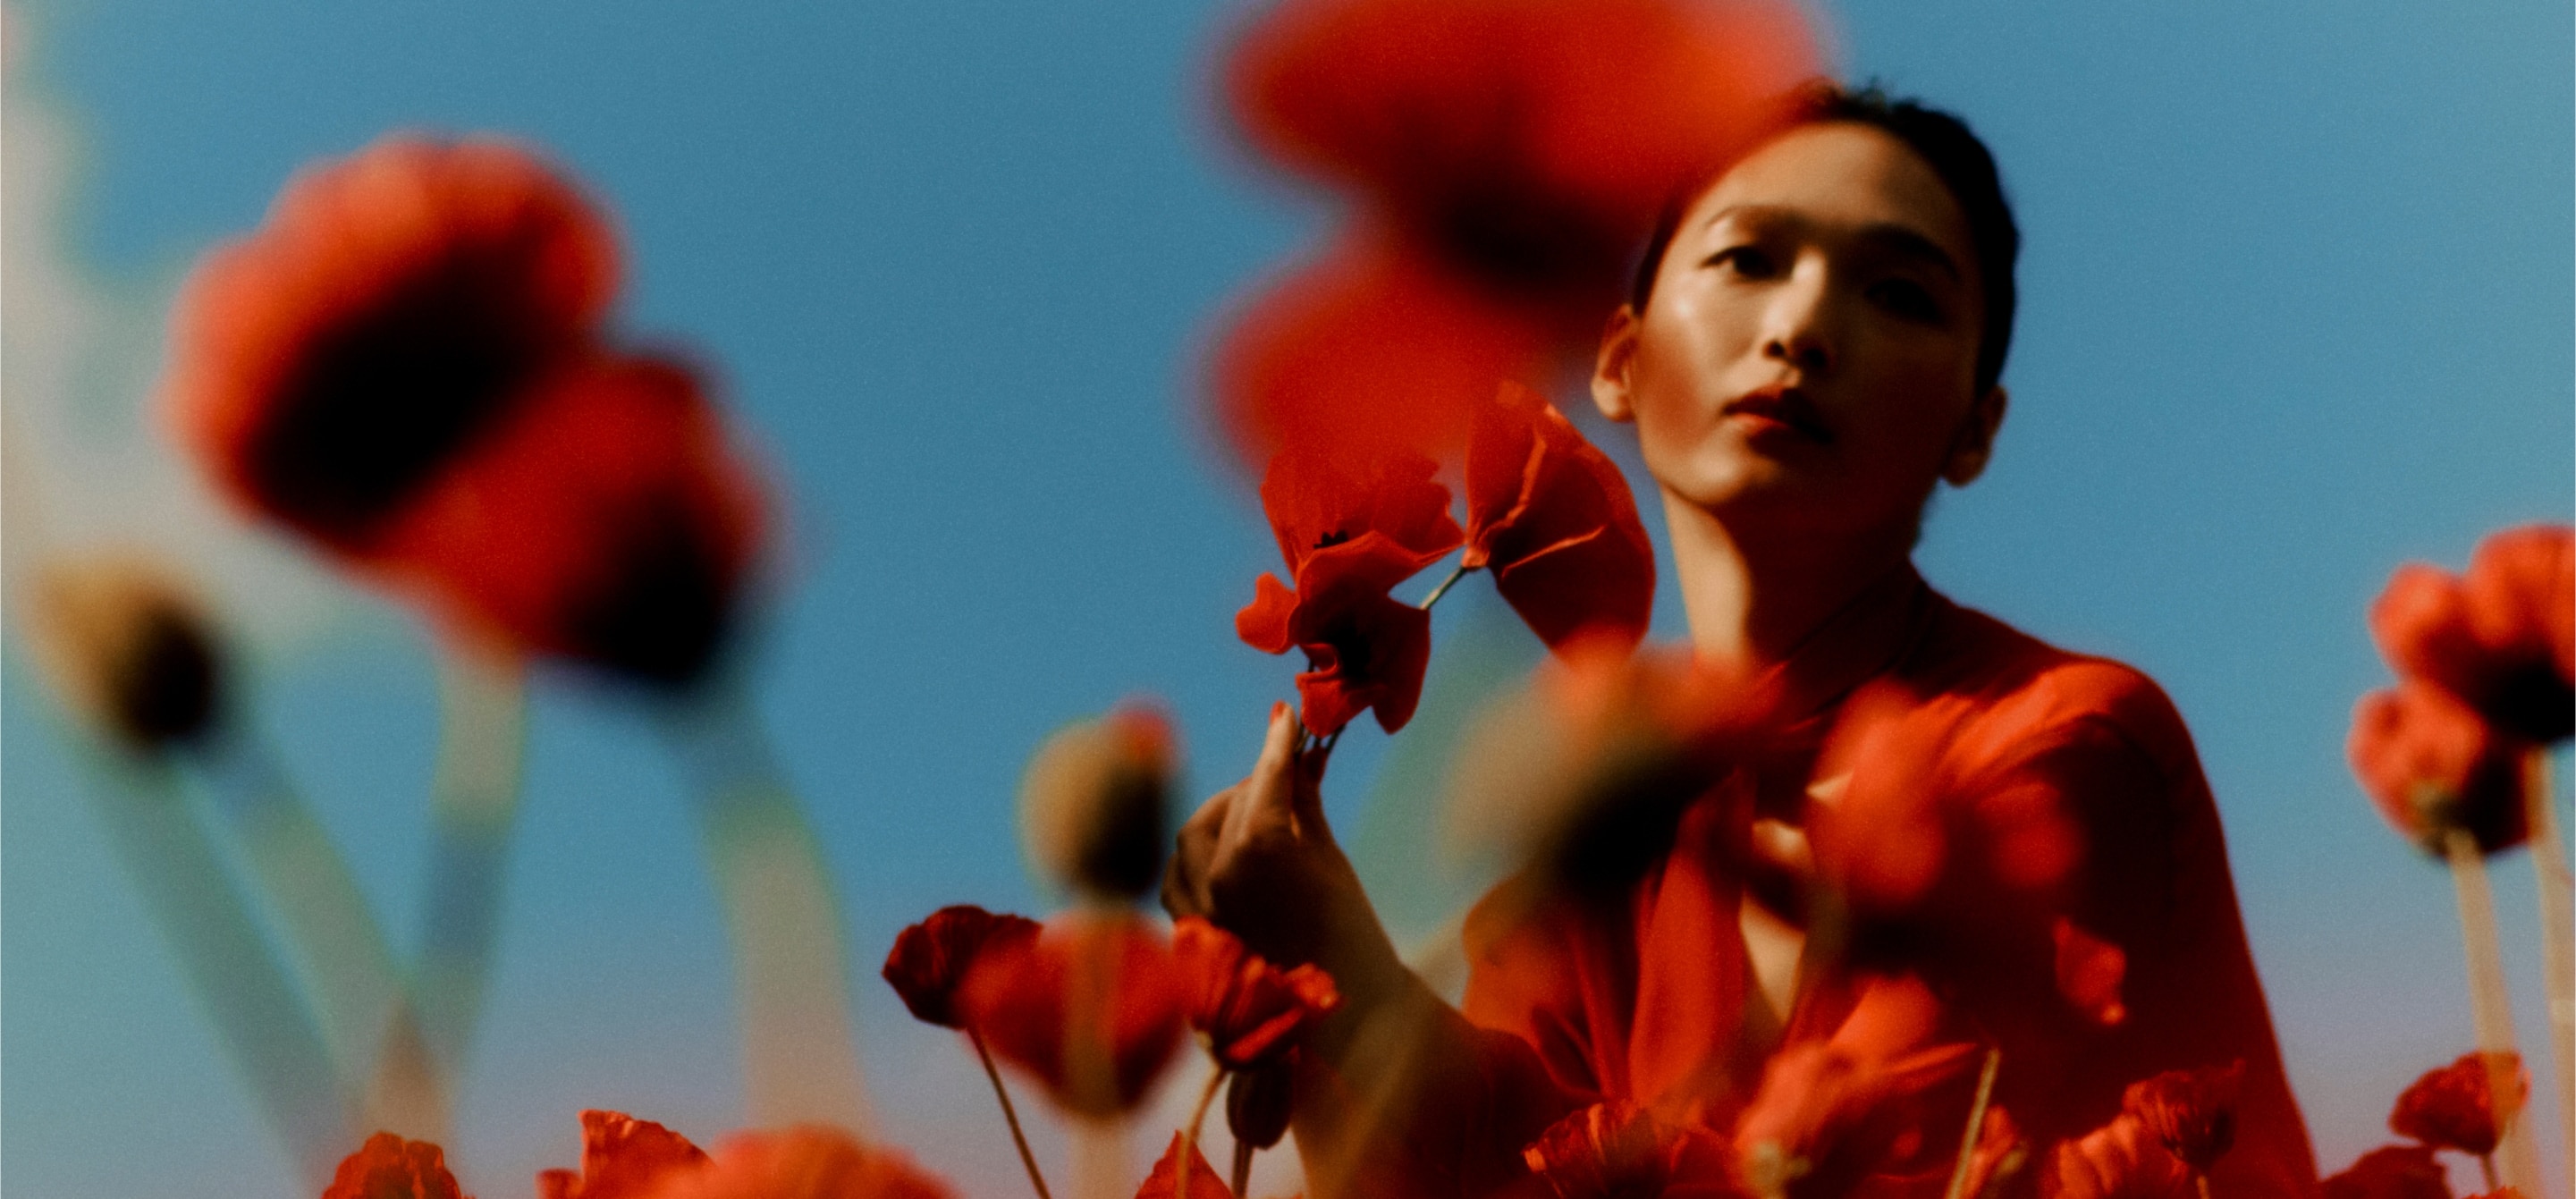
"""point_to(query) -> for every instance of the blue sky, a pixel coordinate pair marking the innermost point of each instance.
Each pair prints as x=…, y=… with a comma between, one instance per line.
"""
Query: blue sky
x=2297, y=306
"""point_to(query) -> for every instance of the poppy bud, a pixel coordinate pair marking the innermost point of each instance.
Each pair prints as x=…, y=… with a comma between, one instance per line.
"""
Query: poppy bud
x=1092, y=803
x=2192, y=1113
x=1258, y=1102
x=130, y=651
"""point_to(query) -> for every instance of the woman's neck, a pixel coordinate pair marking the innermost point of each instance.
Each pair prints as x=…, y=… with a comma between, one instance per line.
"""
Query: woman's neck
x=1753, y=599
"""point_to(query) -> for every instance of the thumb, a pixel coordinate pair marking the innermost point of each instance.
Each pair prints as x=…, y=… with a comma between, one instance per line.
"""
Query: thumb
x=1267, y=792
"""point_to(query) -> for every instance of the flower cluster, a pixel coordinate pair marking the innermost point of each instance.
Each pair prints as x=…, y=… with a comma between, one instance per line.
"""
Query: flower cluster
x=626, y=1158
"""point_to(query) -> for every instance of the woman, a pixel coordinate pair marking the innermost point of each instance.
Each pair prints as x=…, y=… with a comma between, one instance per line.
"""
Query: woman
x=1813, y=343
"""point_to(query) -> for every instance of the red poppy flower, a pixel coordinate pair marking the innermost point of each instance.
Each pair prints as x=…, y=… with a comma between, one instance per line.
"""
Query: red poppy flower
x=809, y=1162
x=930, y=960
x=2431, y=764
x=1092, y=1007
x=1317, y=499
x=621, y=1158
x=2120, y=1160
x=2452, y=1108
x=387, y=316
x=389, y=1167
x=2392, y=1172
x=1366, y=350
x=1553, y=518
x=1616, y=1149
x=1253, y=1012
x=1165, y=1180
x=2192, y=1113
x=1529, y=143
x=1364, y=648
x=607, y=521
x=2501, y=638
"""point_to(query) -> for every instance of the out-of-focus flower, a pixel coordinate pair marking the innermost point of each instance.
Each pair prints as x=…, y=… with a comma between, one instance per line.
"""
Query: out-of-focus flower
x=389, y=1167
x=621, y=1158
x=128, y=650
x=1368, y=350
x=930, y=960
x=1092, y=1007
x=1259, y=1102
x=1165, y=1180
x=2120, y=1160
x=1552, y=517
x=2452, y=1108
x=1528, y=143
x=1092, y=802
x=2431, y=765
x=1252, y=1012
x=2500, y=639
x=2089, y=973
x=2392, y=1172
x=1365, y=650
x=1585, y=772
x=1617, y=1150
x=607, y=521
x=2001, y=1154
x=2192, y=1113
x=808, y=1162
x=1856, y=1104
x=389, y=314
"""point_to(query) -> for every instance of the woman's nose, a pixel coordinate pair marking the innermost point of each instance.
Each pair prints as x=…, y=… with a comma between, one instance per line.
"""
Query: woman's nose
x=1796, y=328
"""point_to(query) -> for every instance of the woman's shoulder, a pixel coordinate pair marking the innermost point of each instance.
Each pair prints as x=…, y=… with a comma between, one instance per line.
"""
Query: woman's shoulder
x=2000, y=680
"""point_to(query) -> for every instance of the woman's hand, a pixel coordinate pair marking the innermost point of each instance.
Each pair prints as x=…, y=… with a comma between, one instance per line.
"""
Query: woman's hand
x=1259, y=861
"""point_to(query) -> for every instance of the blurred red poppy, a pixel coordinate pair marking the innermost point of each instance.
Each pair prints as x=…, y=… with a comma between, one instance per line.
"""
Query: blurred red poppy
x=607, y=521
x=1855, y=1105
x=386, y=317
x=1553, y=518
x=389, y=1167
x=1617, y=1149
x=1366, y=350
x=2430, y=764
x=2192, y=1113
x=621, y=1158
x=809, y=1162
x=930, y=960
x=2090, y=971
x=1165, y=1181
x=1528, y=143
x=2120, y=1160
x=1092, y=1007
x=1364, y=648
x=1253, y=1012
x=2451, y=1107
x=2392, y=1172
x=2502, y=639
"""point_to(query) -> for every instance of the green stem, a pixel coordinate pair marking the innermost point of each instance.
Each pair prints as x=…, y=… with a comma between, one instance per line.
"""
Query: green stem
x=2488, y=1004
x=1242, y=1174
x=1443, y=588
x=1976, y=1126
x=474, y=807
x=1190, y=1134
x=2557, y=931
x=1010, y=1115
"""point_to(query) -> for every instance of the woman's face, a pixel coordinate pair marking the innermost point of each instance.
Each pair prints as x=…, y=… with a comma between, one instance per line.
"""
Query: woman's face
x=1807, y=362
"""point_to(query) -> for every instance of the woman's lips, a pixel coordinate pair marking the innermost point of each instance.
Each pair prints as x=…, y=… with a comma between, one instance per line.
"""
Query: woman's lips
x=1785, y=407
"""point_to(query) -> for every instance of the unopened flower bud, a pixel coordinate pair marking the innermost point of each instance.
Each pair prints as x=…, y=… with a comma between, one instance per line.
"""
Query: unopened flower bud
x=129, y=651
x=1092, y=803
x=1257, y=1103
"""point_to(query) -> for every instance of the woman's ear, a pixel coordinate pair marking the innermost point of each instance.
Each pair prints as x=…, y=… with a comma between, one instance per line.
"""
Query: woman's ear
x=1975, y=443
x=1610, y=367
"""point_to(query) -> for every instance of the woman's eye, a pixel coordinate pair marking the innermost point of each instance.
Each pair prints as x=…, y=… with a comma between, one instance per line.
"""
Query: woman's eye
x=1747, y=261
x=1908, y=299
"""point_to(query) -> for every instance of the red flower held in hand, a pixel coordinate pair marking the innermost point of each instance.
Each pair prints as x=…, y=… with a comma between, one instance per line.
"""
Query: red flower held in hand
x=387, y=316
x=621, y=1158
x=1092, y=1007
x=1553, y=518
x=607, y=522
x=1347, y=540
x=931, y=960
x=2392, y=1172
x=809, y=1162
x=2430, y=764
x=1253, y=1012
x=2450, y=1107
x=2502, y=639
x=389, y=1167
x=2192, y=1113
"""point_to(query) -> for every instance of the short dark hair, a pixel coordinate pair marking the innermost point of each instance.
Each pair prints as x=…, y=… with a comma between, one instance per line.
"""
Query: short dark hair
x=1950, y=148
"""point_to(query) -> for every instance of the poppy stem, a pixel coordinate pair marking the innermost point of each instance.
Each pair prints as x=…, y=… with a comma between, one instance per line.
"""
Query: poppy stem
x=1443, y=588
x=2486, y=1165
x=1010, y=1115
x=2489, y=1006
x=1958, y=1187
x=1242, y=1174
x=474, y=807
x=2557, y=930
x=1190, y=1135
